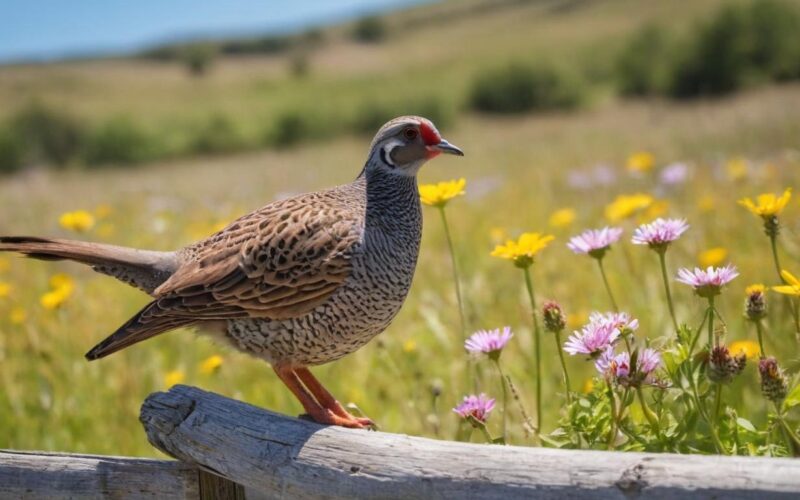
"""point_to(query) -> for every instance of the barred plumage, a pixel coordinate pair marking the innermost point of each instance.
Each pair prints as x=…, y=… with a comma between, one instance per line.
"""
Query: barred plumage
x=300, y=282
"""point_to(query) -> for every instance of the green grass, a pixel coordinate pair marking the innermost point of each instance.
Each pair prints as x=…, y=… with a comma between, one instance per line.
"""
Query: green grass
x=51, y=398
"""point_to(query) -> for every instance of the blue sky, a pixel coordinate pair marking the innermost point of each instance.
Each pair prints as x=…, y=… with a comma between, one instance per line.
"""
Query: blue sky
x=43, y=29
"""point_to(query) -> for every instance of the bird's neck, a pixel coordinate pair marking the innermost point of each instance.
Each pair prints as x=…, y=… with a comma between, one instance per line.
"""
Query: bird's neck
x=390, y=197
x=389, y=191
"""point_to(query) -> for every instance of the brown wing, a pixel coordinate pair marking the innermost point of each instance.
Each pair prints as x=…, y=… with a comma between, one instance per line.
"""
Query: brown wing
x=277, y=263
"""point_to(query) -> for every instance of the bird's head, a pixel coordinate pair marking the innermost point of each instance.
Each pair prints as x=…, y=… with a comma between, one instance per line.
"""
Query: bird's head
x=404, y=144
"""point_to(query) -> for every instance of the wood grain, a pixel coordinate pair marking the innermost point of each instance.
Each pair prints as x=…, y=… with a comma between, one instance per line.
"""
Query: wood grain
x=61, y=476
x=284, y=457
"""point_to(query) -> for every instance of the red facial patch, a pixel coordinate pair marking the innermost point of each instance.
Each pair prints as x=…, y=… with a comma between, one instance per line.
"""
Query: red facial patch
x=429, y=134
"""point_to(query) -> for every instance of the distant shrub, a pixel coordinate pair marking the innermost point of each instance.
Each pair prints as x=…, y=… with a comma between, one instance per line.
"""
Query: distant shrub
x=218, y=135
x=370, y=29
x=520, y=88
x=11, y=151
x=775, y=31
x=299, y=65
x=49, y=135
x=290, y=128
x=199, y=57
x=643, y=66
x=372, y=115
x=742, y=44
x=118, y=141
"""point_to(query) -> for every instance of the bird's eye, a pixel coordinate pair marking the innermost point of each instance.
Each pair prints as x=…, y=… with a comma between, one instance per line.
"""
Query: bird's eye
x=410, y=133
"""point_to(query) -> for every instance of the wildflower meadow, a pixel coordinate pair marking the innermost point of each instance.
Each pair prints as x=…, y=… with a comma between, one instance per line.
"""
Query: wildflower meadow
x=614, y=264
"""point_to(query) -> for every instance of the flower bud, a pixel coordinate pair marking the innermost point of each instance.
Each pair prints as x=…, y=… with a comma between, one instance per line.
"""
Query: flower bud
x=773, y=381
x=755, y=304
x=722, y=367
x=554, y=321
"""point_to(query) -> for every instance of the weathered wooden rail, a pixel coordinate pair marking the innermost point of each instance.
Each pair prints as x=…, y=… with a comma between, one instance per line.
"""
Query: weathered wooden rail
x=239, y=448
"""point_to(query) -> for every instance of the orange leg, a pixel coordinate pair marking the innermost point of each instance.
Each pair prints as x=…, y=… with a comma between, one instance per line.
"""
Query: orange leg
x=317, y=411
x=326, y=399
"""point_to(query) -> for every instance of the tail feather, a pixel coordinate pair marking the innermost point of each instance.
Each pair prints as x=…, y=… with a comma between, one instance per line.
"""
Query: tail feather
x=143, y=269
x=147, y=323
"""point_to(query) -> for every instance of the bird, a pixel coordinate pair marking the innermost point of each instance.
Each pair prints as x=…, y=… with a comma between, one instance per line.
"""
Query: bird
x=300, y=282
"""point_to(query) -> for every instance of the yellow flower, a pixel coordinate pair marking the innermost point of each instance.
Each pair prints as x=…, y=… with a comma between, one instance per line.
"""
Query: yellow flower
x=641, y=161
x=625, y=206
x=174, y=377
x=61, y=287
x=103, y=210
x=409, y=346
x=4, y=264
x=54, y=298
x=706, y=203
x=17, y=315
x=211, y=364
x=79, y=221
x=736, y=168
x=755, y=288
x=437, y=195
x=588, y=385
x=524, y=249
x=748, y=347
x=62, y=281
x=5, y=289
x=562, y=218
x=767, y=204
x=712, y=257
x=792, y=286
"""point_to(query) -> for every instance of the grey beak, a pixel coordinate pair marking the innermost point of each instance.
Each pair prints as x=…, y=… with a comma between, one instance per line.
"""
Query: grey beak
x=447, y=148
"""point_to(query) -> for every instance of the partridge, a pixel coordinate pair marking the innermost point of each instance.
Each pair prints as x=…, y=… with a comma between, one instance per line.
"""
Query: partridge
x=300, y=282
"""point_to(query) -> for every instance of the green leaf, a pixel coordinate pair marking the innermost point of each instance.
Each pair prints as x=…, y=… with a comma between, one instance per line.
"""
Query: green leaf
x=793, y=399
x=746, y=424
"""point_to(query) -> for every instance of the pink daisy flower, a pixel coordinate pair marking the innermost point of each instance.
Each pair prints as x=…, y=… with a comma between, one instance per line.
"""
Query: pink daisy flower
x=659, y=233
x=649, y=360
x=593, y=339
x=477, y=407
x=620, y=320
x=618, y=366
x=594, y=242
x=489, y=342
x=709, y=282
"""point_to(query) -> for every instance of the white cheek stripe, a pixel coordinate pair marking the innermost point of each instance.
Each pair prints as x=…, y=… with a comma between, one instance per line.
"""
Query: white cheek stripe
x=386, y=154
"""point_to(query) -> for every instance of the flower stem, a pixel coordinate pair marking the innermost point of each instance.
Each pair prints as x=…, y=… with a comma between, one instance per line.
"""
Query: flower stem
x=663, y=259
x=537, y=348
x=760, y=332
x=792, y=440
x=528, y=425
x=710, y=323
x=651, y=417
x=715, y=419
x=773, y=240
x=605, y=282
x=557, y=338
x=477, y=424
x=612, y=434
x=456, y=281
x=505, y=396
x=793, y=304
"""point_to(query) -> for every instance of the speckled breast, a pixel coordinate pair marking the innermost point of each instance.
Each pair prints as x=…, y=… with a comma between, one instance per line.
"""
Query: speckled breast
x=383, y=268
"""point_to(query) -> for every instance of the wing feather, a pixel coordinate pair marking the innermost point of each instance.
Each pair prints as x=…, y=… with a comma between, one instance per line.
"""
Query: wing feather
x=279, y=262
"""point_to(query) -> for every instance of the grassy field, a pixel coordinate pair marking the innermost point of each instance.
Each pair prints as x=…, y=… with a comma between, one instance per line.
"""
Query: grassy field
x=517, y=173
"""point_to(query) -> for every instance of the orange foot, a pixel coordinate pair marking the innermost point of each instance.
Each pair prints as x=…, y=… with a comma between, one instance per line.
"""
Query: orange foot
x=319, y=404
x=328, y=417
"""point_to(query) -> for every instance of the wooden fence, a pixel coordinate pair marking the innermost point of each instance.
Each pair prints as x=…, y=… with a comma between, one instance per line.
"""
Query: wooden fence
x=229, y=449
